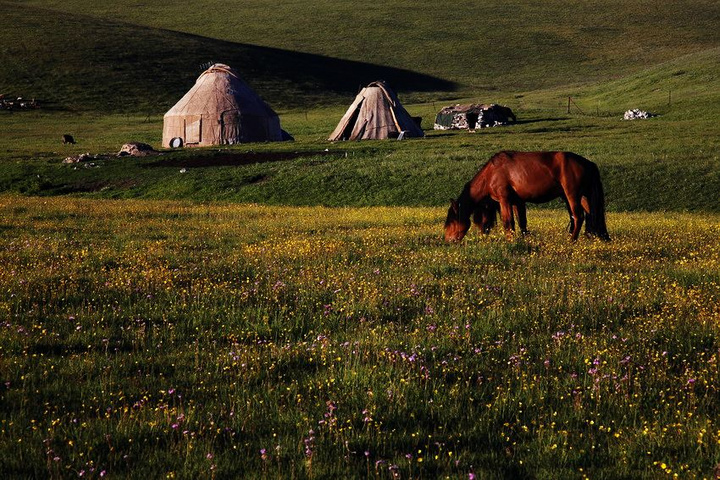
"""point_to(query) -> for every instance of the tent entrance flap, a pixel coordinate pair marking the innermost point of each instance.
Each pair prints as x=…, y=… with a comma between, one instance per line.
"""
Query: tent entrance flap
x=230, y=127
x=193, y=129
x=348, y=130
x=472, y=118
x=254, y=128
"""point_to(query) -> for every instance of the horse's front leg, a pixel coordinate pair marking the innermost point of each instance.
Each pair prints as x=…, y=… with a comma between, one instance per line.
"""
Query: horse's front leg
x=521, y=214
x=481, y=222
x=506, y=214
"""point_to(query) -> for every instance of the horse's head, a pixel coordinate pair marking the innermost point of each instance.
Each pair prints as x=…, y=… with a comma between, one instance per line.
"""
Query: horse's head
x=457, y=223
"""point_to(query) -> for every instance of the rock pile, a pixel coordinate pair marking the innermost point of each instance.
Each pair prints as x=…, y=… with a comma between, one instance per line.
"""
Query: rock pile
x=137, y=149
x=472, y=117
x=83, y=157
x=134, y=149
x=10, y=102
x=636, y=113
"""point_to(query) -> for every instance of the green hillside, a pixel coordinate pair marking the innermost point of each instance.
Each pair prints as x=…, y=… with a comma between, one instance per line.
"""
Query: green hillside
x=670, y=162
x=86, y=55
x=117, y=69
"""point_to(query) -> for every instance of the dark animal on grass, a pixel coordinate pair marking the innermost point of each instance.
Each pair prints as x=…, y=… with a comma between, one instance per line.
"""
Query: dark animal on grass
x=66, y=138
x=507, y=112
x=509, y=180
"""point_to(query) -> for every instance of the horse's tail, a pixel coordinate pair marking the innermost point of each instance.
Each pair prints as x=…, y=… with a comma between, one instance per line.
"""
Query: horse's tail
x=596, y=218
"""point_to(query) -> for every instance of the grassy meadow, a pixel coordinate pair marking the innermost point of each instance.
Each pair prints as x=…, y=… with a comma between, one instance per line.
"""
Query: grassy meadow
x=165, y=339
x=290, y=310
x=669, y=163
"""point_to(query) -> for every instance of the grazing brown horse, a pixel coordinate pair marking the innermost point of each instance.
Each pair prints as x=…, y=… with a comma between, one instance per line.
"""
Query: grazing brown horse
x=511, y=179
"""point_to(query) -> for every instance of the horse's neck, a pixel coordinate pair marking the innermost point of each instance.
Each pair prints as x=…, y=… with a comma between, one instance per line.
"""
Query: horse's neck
x=477, y=188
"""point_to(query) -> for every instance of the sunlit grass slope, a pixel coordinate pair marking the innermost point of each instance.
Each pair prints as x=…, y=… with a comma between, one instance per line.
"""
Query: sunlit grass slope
x=137, y=57
x=99, y=60
x=670, y=162
x=687, y=88
x=153, y=339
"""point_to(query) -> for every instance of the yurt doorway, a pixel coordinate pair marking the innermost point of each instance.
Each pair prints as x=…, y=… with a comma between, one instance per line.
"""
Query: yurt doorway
x=348, y=130
x=193, y=129
x=472, y=119
x=230, y=130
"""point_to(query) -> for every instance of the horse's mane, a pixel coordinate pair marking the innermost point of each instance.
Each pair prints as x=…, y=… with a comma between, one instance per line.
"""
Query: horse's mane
x=465, y=194
x=465, y=202
x=505, y=154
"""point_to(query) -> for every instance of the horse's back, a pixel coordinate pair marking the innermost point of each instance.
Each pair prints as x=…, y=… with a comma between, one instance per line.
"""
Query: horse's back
x=556, y=164
x=561, y=163
x=541, y=175
x=535, y=164
x=530, y=176
x=546, y=158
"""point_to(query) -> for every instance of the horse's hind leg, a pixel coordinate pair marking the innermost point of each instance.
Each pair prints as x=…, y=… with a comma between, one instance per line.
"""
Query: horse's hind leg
x=571, y=223
x=585, y=206
x=589, y=223
x=577, y=215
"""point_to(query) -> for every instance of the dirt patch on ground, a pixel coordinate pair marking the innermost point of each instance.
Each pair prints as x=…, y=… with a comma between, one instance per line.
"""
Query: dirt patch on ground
x=94, y=187
x=235, y=159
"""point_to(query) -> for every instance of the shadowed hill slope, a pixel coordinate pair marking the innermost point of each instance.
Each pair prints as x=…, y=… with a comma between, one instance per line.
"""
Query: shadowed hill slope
x=124, y=55
x=82, y=63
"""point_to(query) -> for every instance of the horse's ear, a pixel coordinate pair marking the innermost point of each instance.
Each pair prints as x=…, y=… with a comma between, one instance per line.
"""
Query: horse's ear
x=454, y=206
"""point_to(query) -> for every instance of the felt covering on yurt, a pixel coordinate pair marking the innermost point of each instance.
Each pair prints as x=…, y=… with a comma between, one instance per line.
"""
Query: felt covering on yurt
x=220, y=109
